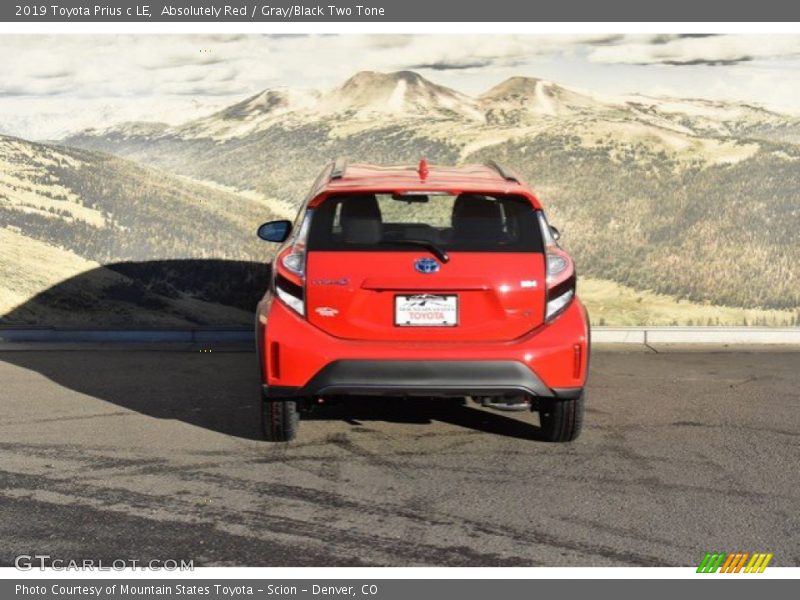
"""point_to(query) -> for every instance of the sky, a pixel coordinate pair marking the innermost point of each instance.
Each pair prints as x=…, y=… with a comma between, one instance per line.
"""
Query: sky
x=51, y=86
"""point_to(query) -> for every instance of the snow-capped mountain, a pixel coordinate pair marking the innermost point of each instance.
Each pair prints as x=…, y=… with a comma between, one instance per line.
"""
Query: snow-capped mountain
x=371, y=99
x=399, y=94
x=251, y=114
x=535, y=97
x=364, y=97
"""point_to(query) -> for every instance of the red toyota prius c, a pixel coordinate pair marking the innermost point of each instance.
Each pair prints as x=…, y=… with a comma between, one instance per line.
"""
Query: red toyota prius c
x=421, y=281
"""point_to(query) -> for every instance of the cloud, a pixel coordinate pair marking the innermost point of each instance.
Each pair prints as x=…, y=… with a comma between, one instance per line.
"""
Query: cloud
x=389, y=40
x=664, y=38
x=54, y=73
x=601, y=40
x=184, y=60
x=713, y=50
x=238, y=64
x=450, y=52
x=127, y=65
x=225, y=38
x=452, y=66
x=40, y=87
x=710, y=63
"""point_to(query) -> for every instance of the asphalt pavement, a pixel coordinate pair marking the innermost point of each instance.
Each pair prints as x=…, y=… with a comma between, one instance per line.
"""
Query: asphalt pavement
x=149, y=454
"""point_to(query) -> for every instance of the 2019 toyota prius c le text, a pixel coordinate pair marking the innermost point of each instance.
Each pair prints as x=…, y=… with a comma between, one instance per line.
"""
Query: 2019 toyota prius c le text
x=421, y=281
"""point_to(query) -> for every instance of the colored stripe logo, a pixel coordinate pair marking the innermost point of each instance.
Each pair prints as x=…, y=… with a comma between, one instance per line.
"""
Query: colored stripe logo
x=738, y=562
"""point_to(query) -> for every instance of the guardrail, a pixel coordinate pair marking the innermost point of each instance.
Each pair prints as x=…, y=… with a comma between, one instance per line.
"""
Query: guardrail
x=603, y=335
x=125, y=336
x=696, y=335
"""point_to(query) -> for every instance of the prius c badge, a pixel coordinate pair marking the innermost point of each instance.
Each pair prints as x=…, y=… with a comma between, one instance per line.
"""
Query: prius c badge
x=426, y=265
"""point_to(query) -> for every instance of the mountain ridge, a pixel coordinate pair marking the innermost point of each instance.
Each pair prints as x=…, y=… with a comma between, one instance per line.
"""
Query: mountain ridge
x=517, y=100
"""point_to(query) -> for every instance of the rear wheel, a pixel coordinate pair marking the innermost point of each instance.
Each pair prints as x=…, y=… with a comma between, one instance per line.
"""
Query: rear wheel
x=280, y=419
x=561, y=420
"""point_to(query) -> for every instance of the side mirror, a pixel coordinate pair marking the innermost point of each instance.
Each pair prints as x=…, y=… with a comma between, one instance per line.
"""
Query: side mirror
x=555, y=233
x=275, y=231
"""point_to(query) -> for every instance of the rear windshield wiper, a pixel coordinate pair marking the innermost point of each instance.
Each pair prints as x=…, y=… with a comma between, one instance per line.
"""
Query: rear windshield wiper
x=433, y=248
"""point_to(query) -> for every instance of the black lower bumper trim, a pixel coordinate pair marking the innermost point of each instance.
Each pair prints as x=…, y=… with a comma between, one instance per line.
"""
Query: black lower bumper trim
x=421, y=378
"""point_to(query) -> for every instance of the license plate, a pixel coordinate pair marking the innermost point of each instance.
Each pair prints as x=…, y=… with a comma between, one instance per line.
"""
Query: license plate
x=426, y=310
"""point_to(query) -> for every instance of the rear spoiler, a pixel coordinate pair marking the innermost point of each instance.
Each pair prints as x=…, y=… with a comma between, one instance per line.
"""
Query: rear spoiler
x=504, y=172
x=339, y=167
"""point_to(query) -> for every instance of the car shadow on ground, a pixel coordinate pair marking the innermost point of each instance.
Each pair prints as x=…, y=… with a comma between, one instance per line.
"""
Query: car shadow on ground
x=461, y=412
x=219, y=391
x=216, y=390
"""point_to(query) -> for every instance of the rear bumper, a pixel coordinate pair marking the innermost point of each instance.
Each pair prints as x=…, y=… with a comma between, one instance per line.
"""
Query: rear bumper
x=298, y=359
x=421, y=378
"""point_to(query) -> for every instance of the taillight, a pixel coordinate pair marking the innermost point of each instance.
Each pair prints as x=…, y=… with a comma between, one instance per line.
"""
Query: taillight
x=290, y=293
x=560, y=273
x=295, y=259
x=290, y=271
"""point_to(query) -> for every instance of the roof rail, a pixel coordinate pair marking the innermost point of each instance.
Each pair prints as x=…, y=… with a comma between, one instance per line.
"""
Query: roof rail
x=505, y=173
x=339, y=167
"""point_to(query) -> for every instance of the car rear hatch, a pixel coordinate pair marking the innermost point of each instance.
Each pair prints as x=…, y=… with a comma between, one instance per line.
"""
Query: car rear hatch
x=425, y=267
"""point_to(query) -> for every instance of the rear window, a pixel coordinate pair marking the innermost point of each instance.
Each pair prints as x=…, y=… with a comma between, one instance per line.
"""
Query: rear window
x=467, y=222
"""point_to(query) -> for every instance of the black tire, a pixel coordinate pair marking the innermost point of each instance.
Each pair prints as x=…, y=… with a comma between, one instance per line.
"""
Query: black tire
x=280, y=420
x=561, y=420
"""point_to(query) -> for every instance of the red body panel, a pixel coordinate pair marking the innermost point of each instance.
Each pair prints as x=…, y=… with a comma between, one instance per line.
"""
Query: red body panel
x=304, y=349
x=492, y=304
x=349, y=297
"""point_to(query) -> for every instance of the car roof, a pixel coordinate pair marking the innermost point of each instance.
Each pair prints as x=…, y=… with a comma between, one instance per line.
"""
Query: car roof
x=490, y=178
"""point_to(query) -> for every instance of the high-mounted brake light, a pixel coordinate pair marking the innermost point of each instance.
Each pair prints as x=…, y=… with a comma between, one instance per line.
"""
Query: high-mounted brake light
x=423, y=169
x=560, y=282
x=291, y=272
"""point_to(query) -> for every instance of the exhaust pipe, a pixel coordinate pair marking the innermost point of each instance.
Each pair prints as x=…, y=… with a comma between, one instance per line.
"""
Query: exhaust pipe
x=510, y=404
